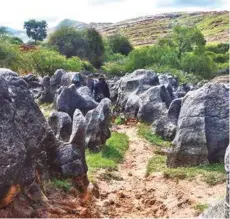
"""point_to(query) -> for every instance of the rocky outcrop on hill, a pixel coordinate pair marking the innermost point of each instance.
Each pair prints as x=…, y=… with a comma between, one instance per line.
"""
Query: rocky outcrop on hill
x=97, y=125
x=203, y=127
x=28, y=147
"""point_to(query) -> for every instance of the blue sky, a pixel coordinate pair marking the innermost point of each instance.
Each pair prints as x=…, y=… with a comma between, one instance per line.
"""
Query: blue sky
x=15, y=12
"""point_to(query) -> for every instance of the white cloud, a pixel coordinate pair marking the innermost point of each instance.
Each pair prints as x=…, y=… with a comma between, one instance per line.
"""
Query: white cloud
x=15, y=12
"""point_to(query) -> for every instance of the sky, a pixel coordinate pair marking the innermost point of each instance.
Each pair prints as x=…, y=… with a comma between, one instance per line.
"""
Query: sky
x=15, y=12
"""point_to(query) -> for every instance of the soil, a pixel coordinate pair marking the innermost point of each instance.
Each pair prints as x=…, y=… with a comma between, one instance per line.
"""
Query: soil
x=132, y=194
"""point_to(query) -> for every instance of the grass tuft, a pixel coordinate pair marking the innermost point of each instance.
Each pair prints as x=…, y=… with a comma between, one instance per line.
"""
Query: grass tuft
x=63, y=184
x=145, y=131
x=112, y=153
x=200, y=208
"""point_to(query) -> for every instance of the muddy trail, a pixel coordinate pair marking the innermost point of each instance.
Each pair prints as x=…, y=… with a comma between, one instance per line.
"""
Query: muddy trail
x=129, y=193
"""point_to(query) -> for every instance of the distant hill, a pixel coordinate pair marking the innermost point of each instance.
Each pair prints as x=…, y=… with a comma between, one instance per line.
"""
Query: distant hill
x=148, y=29
x=18, y=33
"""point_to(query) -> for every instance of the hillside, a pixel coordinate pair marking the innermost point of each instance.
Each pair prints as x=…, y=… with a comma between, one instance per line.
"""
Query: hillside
x=146, y=30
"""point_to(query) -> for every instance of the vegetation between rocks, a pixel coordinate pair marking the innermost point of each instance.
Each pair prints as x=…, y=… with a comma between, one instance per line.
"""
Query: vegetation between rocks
x=111, y=154
x=63, y=184
x=145, y=131
x=212, y=174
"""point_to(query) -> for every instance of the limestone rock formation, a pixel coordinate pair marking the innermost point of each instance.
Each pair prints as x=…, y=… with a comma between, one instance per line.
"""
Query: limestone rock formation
x=144, y=94
x=61, y=124
x=97, y=125
x=27, y=144
x=70, y=98
x=46, y=95
x=34, y=85
x=203, y=127
x=166, y=125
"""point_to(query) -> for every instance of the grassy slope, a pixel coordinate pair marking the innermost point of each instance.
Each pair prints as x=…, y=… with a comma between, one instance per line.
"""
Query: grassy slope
x=213, y=25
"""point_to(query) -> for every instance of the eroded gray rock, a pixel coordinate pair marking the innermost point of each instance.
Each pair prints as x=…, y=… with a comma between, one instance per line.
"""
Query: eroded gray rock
x=70, y=98
x=27, y=143
x=61, y=124
x=203, y=127
x=97, y=125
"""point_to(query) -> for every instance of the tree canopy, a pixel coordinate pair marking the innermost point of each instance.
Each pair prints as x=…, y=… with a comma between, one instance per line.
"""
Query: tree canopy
x=185, y=39
x=37, y=30
x=120, y=44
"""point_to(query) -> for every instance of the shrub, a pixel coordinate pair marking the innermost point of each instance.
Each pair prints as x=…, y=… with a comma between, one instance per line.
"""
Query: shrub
x=219, y=48
x=120, y=44
x=73, y=64
x=11, y=57
x=44, y=61
x=201, y=65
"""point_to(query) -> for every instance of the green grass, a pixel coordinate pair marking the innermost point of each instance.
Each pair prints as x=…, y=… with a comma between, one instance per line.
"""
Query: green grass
x=119, y=120
x=212, y=174
x=63, y=184
x=145, y=132
x=110, y=155
x=200, y=208
x=46, y=109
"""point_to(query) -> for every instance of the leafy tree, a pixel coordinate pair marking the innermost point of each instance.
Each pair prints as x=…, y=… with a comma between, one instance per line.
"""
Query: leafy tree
x=120, y=44
x=37, y=30
x=69, y=42
x=96, y=47
x=185, y=39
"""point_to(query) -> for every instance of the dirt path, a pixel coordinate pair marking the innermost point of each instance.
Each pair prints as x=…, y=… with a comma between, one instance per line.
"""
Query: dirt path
x=131, y=194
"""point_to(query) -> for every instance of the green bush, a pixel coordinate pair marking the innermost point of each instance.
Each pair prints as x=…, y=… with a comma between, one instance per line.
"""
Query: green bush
x=218, y=48
x=201, y=65
x=11, y=57
x=120, y=44
x=44, y=61
x=73, y=64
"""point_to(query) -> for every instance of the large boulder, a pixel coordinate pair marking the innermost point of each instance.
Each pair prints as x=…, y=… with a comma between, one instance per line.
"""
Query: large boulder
x=166, y=125
x=68, y=99
x=97, y=125
x=25, y=136
x=28, y=147
x=71, y=156
x=61, y=124
x=144, y=94
x=140, y=80
x=203, y=127
x=153, y=103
